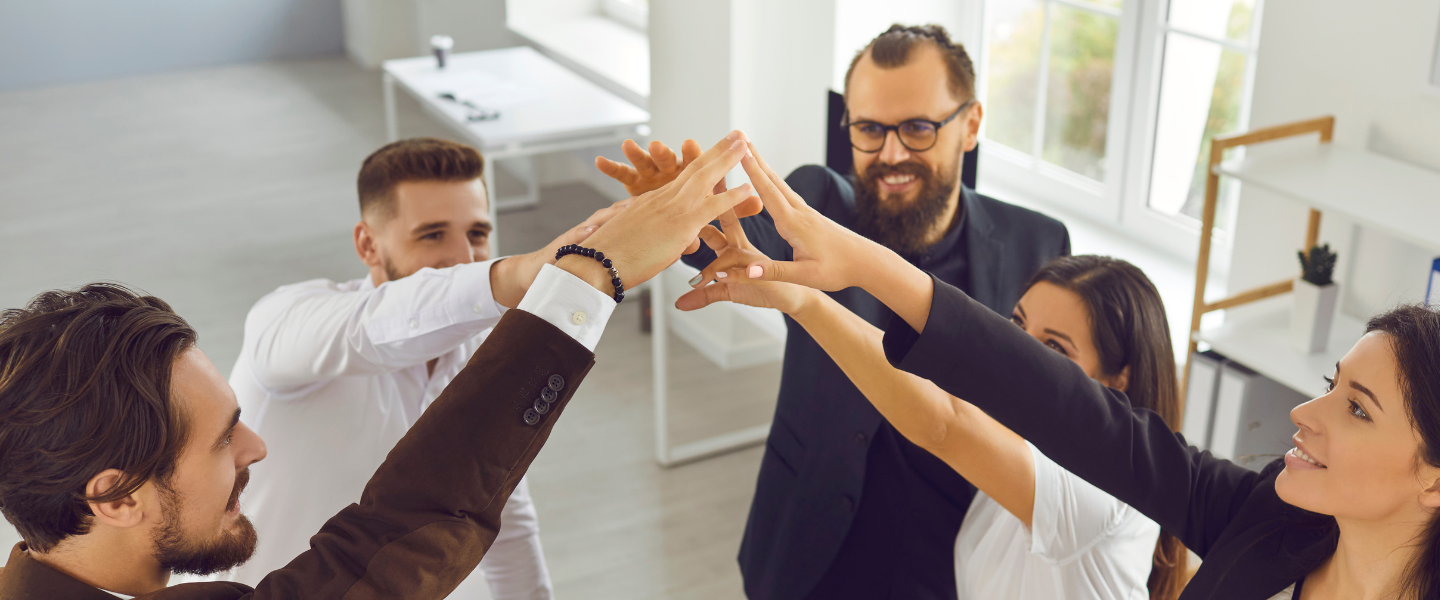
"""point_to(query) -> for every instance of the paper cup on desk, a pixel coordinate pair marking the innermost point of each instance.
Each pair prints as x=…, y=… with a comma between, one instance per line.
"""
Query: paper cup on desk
x=441, y=45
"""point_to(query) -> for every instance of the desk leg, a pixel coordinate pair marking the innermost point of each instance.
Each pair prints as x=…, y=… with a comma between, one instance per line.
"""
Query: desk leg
x=494, y=202
x=659, y=339
x=392, y=127
x=698, y=450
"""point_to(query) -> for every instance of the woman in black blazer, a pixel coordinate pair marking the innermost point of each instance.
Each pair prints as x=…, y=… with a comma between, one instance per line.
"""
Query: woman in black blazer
x=1349, y=513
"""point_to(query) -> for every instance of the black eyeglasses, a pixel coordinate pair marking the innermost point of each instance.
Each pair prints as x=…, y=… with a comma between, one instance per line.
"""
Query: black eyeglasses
x=916, y=135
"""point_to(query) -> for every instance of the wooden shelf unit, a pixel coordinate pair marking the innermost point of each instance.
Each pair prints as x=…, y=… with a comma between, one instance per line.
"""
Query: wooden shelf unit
x=1325, y=127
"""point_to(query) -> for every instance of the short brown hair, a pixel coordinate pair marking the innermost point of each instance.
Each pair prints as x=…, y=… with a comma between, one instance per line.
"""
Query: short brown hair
x=415, y=159
x=85, y=387
x=892, y=49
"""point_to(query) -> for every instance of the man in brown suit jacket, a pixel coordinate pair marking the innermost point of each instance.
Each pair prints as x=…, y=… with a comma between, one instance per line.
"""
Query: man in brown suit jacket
x=122, y=456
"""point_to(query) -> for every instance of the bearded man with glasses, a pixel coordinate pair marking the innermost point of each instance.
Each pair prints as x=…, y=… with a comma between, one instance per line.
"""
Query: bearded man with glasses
x=845, y=507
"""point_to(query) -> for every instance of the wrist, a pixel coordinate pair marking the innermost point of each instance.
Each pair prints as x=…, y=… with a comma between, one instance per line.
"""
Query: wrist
x=507, y=285
x=804, y=306
x=588, y=270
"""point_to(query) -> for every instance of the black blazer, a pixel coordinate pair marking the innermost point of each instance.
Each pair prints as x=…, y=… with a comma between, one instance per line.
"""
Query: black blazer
x=813, y=472
x=1253, y=544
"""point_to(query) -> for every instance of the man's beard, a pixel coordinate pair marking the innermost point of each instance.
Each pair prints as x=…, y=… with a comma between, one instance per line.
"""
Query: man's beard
x=894, y=223
x=180, y=555
x=392, y=273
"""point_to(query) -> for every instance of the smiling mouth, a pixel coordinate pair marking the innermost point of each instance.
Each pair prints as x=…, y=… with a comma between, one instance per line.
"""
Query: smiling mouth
x=898, y=180
x=1300, y=454
x=242, y=479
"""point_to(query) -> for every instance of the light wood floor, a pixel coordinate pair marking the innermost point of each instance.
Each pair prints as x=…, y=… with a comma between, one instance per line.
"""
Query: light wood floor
x=210, y=188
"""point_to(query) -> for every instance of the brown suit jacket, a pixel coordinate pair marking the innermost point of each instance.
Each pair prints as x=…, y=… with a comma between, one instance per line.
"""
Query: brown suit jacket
x=432, y=509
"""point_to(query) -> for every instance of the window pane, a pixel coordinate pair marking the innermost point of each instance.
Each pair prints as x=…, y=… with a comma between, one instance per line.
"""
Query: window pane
x=1077, y=99
x=1200, y=97
x=1013, y=71
x=1216, y=18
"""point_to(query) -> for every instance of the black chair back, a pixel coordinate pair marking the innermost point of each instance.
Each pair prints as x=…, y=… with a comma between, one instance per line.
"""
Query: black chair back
x=837, y=145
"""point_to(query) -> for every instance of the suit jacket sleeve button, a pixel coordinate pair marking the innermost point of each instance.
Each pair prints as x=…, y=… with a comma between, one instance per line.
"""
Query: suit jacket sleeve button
x=540, y=406
x=548, y=395
x=556, y=382
x=531, y=416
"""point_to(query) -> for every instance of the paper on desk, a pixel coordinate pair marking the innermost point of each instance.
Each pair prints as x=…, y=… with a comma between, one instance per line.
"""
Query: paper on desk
x=490, y=91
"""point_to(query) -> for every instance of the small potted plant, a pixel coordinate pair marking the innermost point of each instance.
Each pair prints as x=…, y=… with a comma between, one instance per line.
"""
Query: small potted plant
x=1316, y=297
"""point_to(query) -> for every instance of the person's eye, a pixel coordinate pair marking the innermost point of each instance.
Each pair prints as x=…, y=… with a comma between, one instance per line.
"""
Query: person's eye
x=228, y=439
x=1329, y=383
x=917, y=128
x=1358, y=411
x=479, y=235
x=1018, y=321
x=432, y=236
x=870, y=129
x=1054, y=345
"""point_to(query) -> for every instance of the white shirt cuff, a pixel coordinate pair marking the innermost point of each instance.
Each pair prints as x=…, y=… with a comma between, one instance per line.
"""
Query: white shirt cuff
x=569, y=303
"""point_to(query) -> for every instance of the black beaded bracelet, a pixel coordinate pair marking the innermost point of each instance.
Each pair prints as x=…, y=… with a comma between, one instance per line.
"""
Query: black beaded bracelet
x=600, y=256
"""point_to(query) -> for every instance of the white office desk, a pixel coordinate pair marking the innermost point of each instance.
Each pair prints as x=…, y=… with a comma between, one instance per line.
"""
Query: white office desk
x=543, y=106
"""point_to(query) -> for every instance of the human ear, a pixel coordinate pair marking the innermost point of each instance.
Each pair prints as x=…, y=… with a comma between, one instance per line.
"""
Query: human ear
x=1121, y=380
x=972, y=126
x=1430, y=496
x=123, y=512
x=365, y=246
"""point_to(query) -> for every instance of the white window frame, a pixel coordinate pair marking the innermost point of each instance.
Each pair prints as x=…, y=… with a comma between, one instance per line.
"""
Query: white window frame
x=1120, y=202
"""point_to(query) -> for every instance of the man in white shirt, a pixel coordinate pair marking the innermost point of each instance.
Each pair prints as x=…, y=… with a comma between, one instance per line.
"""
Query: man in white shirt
x=137, y=473
x=332, y=375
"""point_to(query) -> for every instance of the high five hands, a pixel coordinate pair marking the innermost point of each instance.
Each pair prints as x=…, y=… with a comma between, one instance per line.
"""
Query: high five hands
x=660, y=225
x=826, y=256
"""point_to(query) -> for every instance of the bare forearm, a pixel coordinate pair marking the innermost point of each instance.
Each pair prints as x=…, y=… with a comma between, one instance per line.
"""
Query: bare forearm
x=903, y=287
x=511, y=277
x=982, y=450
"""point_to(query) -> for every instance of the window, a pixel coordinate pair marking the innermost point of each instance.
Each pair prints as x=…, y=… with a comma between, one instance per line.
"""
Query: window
x=1106, y=107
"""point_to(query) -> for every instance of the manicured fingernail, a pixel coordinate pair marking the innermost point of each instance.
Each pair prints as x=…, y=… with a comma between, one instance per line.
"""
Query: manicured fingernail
x=734, y=135
x=590, y=229
x=756, y=271
x=721, y=274
x=696, y=279
x=737, y=145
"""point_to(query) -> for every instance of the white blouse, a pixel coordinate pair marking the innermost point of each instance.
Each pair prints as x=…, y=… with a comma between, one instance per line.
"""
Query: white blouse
x=1084, y=544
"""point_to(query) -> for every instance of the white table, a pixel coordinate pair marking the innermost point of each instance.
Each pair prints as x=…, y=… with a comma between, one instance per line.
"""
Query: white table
x=543, y=107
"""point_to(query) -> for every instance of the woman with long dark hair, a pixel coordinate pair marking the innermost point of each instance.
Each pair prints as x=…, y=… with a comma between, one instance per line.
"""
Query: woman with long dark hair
x=1033, y=531
x=1350, y=512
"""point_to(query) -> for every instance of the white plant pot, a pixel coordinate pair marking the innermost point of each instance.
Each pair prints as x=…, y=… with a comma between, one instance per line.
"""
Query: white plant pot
x=1312, y=315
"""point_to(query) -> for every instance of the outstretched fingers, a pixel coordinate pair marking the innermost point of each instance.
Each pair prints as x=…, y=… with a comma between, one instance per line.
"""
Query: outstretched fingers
x=623, y=173
x=663, y=156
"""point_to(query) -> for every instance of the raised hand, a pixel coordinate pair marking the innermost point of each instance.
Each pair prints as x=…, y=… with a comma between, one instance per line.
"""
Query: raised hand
x=830, y=257
x=511, y=277
x=650, y=170
x=662, y=224
x=733, y=253
x=827, y=256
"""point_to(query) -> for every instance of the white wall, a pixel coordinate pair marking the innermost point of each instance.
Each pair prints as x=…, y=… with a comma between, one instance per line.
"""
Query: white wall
x=379, y=30
x=54, y=42
x=859, y=21
x=1365, y=63
x=758, y=66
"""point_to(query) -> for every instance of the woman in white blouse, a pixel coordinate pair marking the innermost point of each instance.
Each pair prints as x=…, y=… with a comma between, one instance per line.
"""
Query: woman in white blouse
x=1034, y=531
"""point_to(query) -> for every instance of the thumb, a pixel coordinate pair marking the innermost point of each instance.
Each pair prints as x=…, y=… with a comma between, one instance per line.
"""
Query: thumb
x=803, y=273
x=699, y=298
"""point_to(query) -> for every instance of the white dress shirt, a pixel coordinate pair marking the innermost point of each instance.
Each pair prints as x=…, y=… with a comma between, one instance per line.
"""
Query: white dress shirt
x=1083, y=544
x=332, y=375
